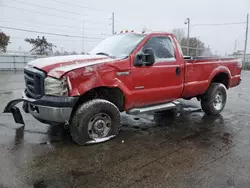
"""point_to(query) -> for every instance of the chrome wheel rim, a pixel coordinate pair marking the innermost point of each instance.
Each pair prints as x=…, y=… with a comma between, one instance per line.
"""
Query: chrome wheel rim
x=99, y=126
x=218, y=101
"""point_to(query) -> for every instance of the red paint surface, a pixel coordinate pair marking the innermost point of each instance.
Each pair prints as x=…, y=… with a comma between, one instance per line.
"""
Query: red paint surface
x=160, y=82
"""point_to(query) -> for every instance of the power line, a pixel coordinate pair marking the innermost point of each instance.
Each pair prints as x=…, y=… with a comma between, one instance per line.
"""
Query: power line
x=47, y=24
x=53, y=15
x=60, y=10
x=80, y=6
x=40, y=24
x=48, y=33
x=219, y=24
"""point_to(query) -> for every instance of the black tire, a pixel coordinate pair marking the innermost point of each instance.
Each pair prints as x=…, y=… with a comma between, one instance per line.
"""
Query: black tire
x=85, y=113
x=209, y=101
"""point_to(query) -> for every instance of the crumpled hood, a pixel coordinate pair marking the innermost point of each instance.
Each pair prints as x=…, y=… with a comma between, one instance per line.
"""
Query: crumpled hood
x=59, y=65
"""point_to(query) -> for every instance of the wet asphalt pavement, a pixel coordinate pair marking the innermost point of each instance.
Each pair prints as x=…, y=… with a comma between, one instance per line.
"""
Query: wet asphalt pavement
x=188, y=149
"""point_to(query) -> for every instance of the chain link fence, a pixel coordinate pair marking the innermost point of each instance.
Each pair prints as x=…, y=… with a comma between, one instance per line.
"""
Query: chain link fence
x=15, y=62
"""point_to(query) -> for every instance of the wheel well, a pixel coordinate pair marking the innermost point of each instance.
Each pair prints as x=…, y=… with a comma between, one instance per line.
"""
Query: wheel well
x=113, y=95
x=221, y=78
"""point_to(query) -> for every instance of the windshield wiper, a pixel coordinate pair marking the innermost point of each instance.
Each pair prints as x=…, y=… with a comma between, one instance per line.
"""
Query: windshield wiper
x=106, y=54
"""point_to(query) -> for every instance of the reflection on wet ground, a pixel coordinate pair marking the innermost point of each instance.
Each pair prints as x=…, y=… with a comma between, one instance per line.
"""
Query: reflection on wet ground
x=182, y=148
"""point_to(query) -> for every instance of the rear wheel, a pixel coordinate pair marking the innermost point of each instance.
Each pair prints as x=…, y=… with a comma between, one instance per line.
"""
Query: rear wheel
x=95, y=119
x=214, y=100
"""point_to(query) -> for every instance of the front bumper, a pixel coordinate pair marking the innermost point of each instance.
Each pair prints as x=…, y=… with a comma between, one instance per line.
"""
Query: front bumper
x=48, y=109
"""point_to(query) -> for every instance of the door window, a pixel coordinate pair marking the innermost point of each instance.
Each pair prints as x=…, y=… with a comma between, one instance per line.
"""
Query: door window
x=163, y=48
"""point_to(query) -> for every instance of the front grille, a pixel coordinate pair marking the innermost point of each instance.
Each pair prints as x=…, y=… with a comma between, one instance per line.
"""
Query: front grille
x=34, y=82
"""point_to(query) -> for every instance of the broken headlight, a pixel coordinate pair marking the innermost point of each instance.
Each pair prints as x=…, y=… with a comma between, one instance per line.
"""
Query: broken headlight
x=53, y=86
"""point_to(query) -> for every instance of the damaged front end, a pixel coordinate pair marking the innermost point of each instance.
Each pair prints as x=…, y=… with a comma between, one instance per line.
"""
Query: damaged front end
x=47, y=109
x=44, y=97
x=58, y=111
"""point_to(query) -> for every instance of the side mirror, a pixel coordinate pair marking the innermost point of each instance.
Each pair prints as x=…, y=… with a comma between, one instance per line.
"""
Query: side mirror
x=147, y=58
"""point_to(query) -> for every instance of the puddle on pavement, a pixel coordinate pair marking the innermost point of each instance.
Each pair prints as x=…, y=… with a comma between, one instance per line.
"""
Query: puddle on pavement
x=79, y=173
x=19, y=135
x=53, y=135
x=188, y=123
x=196, y=139
x=40, y=184
x=225, y=137
x=191, y=129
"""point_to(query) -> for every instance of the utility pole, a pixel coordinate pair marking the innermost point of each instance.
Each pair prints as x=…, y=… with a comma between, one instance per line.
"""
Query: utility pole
x=235, y=45
x=245, y=48
x=188, y=34
x=197, y=47
x=113, y=23
x=83, y=36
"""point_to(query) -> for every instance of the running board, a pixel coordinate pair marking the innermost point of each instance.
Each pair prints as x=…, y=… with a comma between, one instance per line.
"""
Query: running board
x=159, y=107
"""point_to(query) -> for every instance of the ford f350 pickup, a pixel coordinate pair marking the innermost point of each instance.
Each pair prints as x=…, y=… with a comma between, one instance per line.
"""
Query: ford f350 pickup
x=131, y=72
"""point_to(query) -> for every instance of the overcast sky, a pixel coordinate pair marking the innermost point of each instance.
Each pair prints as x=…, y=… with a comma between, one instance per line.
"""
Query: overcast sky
x=159, y=15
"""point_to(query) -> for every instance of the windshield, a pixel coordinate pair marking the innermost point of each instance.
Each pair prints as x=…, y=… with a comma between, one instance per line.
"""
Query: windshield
x=118, y=45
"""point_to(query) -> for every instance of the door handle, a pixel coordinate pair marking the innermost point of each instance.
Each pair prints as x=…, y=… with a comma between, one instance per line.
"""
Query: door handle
x=178, y=71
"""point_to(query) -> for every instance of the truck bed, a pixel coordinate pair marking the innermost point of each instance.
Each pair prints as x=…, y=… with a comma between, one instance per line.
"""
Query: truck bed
x=207, y=58
x=200, y=71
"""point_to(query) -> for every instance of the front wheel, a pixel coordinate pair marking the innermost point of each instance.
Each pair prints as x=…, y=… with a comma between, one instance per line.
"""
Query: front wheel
x=93, y=120
x=214, y=100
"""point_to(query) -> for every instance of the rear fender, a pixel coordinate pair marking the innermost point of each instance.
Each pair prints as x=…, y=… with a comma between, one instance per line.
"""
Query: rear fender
x=218, y=70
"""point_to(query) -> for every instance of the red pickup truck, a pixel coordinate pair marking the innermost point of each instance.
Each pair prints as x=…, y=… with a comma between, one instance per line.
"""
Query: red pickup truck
x=132, y=72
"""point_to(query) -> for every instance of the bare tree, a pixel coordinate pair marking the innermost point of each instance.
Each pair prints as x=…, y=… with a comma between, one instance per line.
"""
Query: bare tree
x=73, y=53
x=207, y=52
x=144, y=29
x=179, y=34
x=57, y=53
x=196, y=46
x=65, y=53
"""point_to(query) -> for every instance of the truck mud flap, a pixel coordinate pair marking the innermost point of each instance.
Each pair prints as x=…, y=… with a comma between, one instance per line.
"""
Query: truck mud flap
x=11, y=108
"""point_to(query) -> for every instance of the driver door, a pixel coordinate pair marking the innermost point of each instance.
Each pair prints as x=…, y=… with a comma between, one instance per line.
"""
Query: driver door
x=162, y=81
